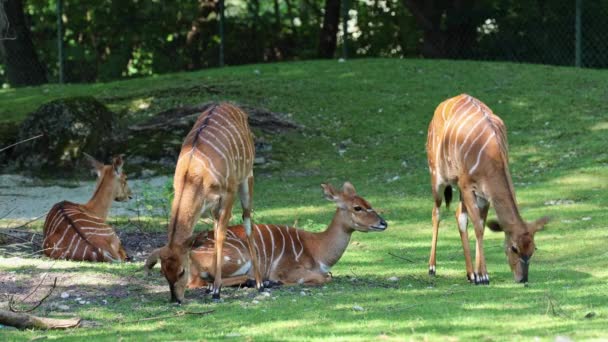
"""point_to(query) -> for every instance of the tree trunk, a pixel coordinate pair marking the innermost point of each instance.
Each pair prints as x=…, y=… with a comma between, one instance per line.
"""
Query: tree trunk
x=194, y=38
x=328, y=36
x=22, y=65
x=449, y=26
x=254, y=9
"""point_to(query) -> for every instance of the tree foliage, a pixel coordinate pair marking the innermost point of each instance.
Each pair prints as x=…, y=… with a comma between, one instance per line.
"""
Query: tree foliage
x=109, y=39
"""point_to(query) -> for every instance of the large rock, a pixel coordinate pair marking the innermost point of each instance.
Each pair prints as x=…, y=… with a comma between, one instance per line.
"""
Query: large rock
x=70, y=127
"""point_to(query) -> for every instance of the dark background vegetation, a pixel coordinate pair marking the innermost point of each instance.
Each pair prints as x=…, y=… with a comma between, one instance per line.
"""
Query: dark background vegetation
x=109, y=39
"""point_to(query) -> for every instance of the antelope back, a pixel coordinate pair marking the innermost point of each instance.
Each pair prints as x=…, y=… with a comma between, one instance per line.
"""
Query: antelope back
x=222, y=141
x=465, y=136
x=71, y=233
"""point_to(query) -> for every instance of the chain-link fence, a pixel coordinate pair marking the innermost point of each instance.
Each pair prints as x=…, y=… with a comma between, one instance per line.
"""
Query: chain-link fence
x=106, y=40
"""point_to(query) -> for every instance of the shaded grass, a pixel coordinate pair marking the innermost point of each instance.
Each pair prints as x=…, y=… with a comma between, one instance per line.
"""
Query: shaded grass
x=378, y=110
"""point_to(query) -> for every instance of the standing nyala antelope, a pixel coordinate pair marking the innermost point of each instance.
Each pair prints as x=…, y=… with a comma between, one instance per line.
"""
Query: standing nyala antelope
x=78, y=231
x=467, y=147
x=216, y=161
x=286, y=255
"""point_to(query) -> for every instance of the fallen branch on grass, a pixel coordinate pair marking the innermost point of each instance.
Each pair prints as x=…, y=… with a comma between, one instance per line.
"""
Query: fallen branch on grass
x=26, y=321
x=11, y=299
x=177, y=314
x=400, y=257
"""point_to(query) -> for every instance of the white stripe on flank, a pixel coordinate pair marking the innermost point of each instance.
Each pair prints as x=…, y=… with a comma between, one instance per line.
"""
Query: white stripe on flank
x=446, y=129
x=75, y=249
x=445, y=106
x=220, y=154
x=466, y=116
x=301, y=245
x=236, y=130
x=272, y=241
x=276, y=262
x=230, y=138
x=63, y=235
x=480, y=151
x=464, y=159
x=293, y=245
x=216, y=175
x=236, y=248
x=263, y=244
x=84, y=252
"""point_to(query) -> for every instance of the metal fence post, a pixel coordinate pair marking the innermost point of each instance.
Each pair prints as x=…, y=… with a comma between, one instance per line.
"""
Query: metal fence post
x=344, y=29
x=60, y=57
x=221, y=29
x=578, y=34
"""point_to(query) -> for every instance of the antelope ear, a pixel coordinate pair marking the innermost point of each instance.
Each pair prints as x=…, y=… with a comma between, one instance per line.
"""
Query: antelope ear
x=333, y=195
x=349, y=189
x=329, y=192
x=538, y=224
x=494, y=226
x=96, y=165
x=152, y=260
x=117, y=163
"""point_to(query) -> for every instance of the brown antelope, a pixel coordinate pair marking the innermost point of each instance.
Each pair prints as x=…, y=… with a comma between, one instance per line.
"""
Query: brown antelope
x=78, y=231
x=467, y=147
x=216, y=161
x=286, y=255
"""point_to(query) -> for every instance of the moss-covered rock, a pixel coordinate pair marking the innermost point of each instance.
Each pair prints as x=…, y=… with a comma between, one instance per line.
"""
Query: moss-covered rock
x=70, y=127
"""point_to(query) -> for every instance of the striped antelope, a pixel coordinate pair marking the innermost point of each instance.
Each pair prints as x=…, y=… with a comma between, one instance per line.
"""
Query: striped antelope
x=467, y=147
x=216, y=161
x=78, y=231
x=286, y=255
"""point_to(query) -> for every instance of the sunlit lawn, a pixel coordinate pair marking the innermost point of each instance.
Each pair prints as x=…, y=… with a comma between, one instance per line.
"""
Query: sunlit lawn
x=379, y=110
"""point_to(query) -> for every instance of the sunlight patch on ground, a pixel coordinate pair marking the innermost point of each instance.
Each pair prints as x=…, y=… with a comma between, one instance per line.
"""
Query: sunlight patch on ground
x=600, y=126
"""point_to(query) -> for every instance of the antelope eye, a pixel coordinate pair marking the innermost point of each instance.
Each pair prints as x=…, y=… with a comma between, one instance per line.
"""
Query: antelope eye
x=182, y=273
x=358, y=208
x=514, y=249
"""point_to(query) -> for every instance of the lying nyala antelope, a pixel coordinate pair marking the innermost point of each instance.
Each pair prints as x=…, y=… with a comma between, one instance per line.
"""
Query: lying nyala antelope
x=286, y=255
x=78, y=231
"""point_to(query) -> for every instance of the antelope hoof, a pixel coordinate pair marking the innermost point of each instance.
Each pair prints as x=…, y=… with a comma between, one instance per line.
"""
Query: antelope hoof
x=432, y=270
x=270, y=284
x=216, y=298
x=482, y=279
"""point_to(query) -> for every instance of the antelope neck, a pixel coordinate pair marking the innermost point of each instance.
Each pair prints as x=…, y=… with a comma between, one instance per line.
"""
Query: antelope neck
x=503, y=199
x=333, y=241
x=99, y=205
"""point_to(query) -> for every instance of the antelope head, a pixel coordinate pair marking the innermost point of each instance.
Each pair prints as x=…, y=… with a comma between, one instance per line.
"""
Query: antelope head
x=120, y=189
x=174, y=265
x=519, y=245
x=359, y=213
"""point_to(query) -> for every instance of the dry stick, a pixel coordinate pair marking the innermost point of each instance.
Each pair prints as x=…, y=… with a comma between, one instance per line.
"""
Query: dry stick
x=8, y=213
x=28, y=222
x=400, y=257
x=11, y=301
x=177, y=314
x=20, y=142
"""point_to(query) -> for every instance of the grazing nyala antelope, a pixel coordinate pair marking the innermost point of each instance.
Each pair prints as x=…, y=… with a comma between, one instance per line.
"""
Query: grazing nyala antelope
x=286, y=255
x=467, y=147
x=216, y=161
x=78, y=231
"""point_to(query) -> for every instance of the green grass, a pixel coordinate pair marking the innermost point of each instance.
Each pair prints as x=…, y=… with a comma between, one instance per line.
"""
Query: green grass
x=557, y=120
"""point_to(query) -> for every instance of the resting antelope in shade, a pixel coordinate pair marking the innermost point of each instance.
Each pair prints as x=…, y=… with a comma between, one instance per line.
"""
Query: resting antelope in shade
x=78, y=231
x=286, y=255
x=467, y=147
x=216, y=161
